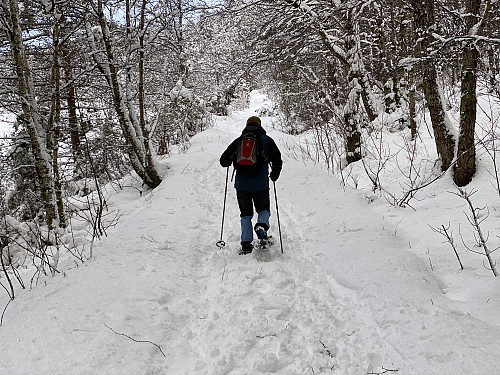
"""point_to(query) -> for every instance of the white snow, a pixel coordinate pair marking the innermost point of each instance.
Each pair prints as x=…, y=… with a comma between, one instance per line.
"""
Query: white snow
x=362, y=287
x=6, y=128
x=6, y=123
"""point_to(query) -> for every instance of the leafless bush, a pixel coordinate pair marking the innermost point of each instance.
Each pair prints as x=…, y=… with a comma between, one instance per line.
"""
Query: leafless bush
x=34, y=246
x=327, y=147
x=28, y=242
x=409, y=194
x=419, y=172
x=10, y=287
x=377, y=150
x=93, y=210
x=97, y=206
x=476, y=217
x=445, y=231
x=327, y=144
x=4, y=255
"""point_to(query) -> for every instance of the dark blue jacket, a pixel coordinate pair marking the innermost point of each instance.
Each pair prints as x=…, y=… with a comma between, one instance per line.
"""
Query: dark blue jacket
x=259, y=180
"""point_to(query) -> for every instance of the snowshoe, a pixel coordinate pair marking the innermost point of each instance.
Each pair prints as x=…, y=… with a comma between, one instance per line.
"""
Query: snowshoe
x=265, y=243
x=246, y=248
x=261, y=231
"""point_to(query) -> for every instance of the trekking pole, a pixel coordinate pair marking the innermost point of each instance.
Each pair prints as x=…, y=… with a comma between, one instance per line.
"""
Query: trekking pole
x=220, y=244
x=278, y=216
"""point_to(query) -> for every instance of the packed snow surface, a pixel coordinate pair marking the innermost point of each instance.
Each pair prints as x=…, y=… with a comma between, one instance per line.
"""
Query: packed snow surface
x=354, y=291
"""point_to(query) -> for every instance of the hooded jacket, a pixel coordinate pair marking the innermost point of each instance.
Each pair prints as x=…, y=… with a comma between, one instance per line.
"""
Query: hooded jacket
x=259, y=180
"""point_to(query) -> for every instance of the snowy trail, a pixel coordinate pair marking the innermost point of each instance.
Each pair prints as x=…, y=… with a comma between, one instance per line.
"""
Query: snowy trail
x=263, y=314
x=344, y=298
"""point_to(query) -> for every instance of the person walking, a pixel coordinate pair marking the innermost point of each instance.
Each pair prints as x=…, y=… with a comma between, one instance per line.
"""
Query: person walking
x=251, y=155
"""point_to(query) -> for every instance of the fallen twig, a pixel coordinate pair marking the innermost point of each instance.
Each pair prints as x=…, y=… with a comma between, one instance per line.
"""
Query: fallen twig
x=131, y=338
x=264, y=336
x=384, y=371
x=328, y=352
x=148, y=238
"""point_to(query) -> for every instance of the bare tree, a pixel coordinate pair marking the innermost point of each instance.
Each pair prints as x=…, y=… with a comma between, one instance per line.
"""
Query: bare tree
x=54, y=118
x=465, y=167
x=424, y=21
x=136, y=134
x=349, y=55
x=32, y=118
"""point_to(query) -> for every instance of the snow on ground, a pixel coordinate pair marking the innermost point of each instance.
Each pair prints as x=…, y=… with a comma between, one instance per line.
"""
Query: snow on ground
x=353, y=292
x=6, y=123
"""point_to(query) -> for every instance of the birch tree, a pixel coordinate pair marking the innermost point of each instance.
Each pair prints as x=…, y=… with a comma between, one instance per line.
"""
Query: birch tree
x=134, y=127
x=35, y=124
x=54, y=117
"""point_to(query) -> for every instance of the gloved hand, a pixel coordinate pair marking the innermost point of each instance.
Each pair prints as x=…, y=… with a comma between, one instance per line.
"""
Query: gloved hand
x=274, y=175
x=225, y=162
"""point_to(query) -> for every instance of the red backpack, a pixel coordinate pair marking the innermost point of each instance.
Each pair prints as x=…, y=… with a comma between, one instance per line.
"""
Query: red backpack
x=249, y=154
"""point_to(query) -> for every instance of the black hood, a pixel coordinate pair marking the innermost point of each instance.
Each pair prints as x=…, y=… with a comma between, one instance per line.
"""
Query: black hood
x=254, y=129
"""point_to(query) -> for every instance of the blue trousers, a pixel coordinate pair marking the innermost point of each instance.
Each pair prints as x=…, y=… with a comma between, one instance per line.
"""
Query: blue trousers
x=246, y=202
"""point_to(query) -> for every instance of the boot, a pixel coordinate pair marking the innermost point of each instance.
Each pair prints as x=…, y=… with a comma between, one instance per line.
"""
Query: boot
x=261, y=231
x=246, y=247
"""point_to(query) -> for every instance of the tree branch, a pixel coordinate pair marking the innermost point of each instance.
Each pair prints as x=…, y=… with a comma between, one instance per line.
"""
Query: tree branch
x=135, y=340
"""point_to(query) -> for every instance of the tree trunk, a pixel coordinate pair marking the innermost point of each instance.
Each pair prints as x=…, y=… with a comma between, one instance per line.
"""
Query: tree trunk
x=54, y=120
x=139, y=151
x=351, y=116
x=31, y=115
x=146, y=130
x=492, y=63
x=412, y=108
x=74, y=129
x=142, y=118
x=409, y=76
x=424, y=19
x=391, y=75
x=465, y=167
x=445, y=143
